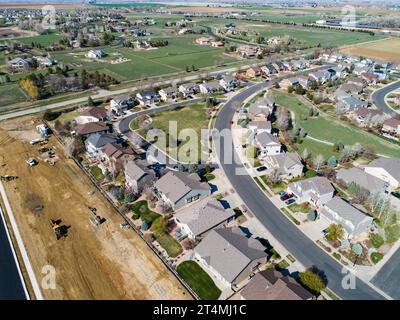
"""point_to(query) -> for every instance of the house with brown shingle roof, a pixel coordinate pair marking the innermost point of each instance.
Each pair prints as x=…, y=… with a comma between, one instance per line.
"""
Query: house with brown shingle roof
x=91, y=127
x=272, y=285
x=114, y=156
x=94, y=114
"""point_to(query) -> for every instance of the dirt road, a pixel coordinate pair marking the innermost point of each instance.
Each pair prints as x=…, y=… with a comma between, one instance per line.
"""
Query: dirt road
x=91, y=263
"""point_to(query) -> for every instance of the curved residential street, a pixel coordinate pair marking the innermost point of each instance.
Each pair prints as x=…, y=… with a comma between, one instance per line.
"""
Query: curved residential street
x=378, y=97
x=294, y=240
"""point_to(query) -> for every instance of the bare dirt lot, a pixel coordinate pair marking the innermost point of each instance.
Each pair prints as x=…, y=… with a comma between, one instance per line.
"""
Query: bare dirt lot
x=104, y=262
x=387, y=50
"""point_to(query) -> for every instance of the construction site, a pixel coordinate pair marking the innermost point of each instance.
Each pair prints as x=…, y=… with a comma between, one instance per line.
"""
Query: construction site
x=66, y=223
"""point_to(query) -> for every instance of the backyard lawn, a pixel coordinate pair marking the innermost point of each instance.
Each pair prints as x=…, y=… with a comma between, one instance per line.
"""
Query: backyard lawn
x=330, y=130
x=198, y=280
x=97, y=173
x=141, y=210
x=160, y=232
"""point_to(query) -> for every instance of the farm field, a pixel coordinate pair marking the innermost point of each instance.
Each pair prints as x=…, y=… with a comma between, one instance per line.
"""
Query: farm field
x=104, y=262
x=329, y=129
x=313, y=36
x=387, y=50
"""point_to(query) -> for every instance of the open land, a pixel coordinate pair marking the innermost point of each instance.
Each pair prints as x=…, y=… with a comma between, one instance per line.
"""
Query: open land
x=103, y=262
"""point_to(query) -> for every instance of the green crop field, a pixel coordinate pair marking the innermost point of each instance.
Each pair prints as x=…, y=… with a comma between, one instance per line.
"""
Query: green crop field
x=329, y=129
x=10, y=94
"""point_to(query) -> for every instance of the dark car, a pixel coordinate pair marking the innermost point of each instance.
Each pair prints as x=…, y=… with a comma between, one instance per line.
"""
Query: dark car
x=286, y=197
x=262, y=168
x=290, y=201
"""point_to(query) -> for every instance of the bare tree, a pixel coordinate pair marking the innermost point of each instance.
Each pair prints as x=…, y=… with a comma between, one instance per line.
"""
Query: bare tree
x=163, y=207
x=318, y=161
x=275, y=176
x=305, y=154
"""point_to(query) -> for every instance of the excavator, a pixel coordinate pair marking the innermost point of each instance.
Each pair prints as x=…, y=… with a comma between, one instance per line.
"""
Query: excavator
x=59, y=230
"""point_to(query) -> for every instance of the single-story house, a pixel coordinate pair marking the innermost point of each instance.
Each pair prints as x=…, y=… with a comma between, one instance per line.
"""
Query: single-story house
x=198, y=219
x=91, y=127
x=270, y=284
x=369, y=182
x=230, y=256
x=386, y=169
x=180, y=188
x=353, y=220
x=315, y=190
x=203, y=41
x=94, y=114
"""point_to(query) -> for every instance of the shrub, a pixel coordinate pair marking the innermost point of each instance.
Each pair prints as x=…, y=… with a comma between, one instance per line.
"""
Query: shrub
x=376, y=257
x=312, y=281
x=376, y=240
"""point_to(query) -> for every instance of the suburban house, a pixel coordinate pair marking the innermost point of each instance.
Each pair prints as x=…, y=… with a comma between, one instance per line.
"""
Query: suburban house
x=353, y=220
x=204, y=215
x=391, y=128
x=188, y=89
x=121, y=104
x=91, y=127
x=386, y=169
x=229, y=83
x=114, y=156
x=289, y=82
x=270, y=284
x=46, y=61
x=261, y=109
x=368, y=116
x=369, y=182
x=96, y=141
x=304, y=81
x=347, y=89
x=253, y=72
x=138, y=175
x=94, y=114
x=203, y=41
x=369, y=77
x=230, y=256
x=321, y=76
x=349, y=104
x=357, y=81
x=217, y=44
x=267, y=144
x=288, y=165
x=270, y=69
x=18, y=65
x=147, y=98
x=96, y=54
x=257, y=127
x=210, y=87
x=169, y=93
x=316, y=190
x=247, y=51
x=180, y=188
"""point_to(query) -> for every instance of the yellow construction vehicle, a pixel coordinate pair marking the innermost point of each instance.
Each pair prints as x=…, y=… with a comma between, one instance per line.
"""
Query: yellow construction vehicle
x=59, y=231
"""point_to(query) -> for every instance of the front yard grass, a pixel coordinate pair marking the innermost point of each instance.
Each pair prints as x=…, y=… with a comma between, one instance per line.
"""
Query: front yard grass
x=302, y=207
x=141, y=210
x=275, y=187
x=198, y=280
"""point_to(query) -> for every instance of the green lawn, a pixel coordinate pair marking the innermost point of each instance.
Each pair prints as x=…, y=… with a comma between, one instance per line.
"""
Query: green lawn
x=141, y=210
x=44, y=40
x=198, y=280
x=10, y=94
x=276, y=187
x=97, y=173
x=328, y=129
x=303, y=207
x=189, y=117
x=170, y=245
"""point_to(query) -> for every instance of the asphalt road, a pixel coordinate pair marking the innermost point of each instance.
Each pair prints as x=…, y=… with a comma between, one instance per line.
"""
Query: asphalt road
x=305, y=250
x=378, y=97
x=387, y=277
x=11, y=287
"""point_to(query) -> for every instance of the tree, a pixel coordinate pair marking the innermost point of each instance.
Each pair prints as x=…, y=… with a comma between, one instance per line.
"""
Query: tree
x=312, y=281
x=332, y=162
x=90, y=102
x=290, y=89
x=305, y=154
x=335, y=232
x=318, y=161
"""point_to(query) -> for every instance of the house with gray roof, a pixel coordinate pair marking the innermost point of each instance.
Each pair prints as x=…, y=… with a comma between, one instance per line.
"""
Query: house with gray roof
x=369, y=182
x=350, y=104
x=169, y=93
x=198, y=219
x=230, y=256
x=270, y=284
x=138, y=175
x=210, y=87
x=353, y=220
x=96, y=141
x=287, y=164
x=229, y=83
x=315, y=190
x=386, y=169
x=181, y=188
x=188, y=89
x=121, y=104
x=267, y=144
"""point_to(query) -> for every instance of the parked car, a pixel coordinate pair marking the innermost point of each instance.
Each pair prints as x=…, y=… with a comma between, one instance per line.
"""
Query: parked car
x=290, y=201
x=282, y=193
x=286, y=197
x=262, y=168
x=31, y=162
